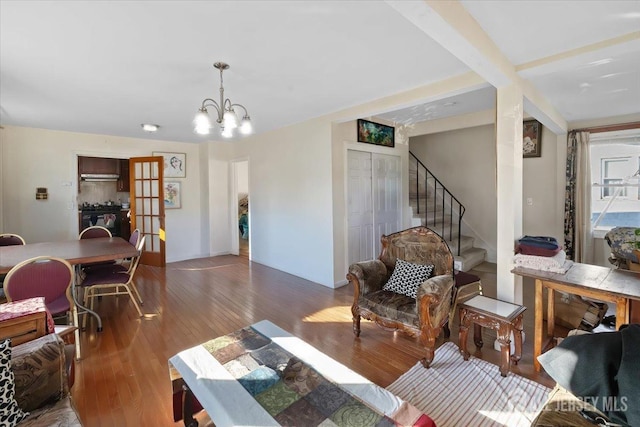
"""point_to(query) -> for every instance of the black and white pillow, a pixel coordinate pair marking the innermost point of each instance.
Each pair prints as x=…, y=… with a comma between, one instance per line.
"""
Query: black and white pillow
x=10, y=412
x=406, y=278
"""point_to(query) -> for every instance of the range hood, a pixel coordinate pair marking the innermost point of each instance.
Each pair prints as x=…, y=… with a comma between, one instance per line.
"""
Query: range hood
x=99, y=177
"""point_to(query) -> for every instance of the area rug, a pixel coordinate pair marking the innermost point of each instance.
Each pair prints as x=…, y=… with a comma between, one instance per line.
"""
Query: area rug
x=455, y=392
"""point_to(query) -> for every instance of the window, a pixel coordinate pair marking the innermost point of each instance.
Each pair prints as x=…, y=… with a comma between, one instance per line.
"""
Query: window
x=615, y=165
x=612, y=175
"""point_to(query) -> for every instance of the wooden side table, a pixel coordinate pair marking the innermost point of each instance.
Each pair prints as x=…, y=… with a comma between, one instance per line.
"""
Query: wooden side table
x=504, y=317
x=24, y=328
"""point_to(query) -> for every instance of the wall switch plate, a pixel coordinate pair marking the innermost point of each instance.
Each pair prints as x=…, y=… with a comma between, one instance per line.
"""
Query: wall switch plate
x=530, y=201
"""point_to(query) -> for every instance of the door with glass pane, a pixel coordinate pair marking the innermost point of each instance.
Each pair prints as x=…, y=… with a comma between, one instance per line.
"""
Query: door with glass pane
x=147, y=206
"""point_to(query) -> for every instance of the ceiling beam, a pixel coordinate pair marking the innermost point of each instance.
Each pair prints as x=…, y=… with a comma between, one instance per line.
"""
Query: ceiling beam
x=453, y=27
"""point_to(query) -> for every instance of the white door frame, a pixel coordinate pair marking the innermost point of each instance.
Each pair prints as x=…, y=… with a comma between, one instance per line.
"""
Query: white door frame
x=233, y=214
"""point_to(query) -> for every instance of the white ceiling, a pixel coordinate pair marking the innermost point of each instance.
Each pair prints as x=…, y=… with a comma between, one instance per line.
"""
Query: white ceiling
x=106, y=67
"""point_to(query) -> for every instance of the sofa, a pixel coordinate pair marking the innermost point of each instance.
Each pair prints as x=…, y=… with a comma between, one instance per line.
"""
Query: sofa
x=43, y=373
x=407, y=288
x=598, y=373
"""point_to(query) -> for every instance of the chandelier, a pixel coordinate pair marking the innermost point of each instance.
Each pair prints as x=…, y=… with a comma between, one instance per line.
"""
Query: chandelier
x=226, y=117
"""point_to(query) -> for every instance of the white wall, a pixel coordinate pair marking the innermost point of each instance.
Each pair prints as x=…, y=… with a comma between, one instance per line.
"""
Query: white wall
x=44, y=158
x=291, y=200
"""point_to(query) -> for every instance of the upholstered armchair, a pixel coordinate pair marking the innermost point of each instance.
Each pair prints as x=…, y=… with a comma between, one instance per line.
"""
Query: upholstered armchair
x=424, y=315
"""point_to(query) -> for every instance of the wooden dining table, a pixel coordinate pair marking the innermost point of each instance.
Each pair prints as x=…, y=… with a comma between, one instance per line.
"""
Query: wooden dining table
x=79, y=251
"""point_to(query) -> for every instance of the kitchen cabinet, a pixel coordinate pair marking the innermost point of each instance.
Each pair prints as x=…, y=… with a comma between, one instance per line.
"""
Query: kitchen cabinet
x=123, y=180
x=97, y=165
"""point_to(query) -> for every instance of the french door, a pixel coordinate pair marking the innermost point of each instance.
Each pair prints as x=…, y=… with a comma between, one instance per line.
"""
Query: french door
x=373, y=202
x=147, y=206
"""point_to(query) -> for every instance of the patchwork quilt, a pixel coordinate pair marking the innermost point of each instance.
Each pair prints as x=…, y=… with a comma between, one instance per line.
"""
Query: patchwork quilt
x=293, y=392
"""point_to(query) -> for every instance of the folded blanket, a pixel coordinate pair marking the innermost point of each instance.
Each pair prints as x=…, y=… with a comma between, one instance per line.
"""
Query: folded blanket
x=525, y=249
x=544, y=242
x=555, y=264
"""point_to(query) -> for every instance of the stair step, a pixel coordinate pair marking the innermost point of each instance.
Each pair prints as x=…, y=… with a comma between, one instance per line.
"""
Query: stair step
x=466, y=243
x=470, y=258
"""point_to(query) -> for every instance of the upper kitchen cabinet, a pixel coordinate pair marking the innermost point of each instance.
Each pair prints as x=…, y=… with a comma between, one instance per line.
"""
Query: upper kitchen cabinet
x=123, y=180
x=98, y=165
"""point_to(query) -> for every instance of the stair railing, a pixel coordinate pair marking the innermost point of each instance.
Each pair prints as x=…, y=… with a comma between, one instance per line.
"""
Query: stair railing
x=436, y=204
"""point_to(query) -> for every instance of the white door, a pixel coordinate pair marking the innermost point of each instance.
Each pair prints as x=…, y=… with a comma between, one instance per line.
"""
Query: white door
x=373, y=202
x=359, y=207
x=386, y=196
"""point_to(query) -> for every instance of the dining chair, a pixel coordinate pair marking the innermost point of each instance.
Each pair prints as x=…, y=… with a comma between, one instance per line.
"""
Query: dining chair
x=44, y=276
x=122, y=265
x=94, y=232
x=101, y=282
x=10, y=239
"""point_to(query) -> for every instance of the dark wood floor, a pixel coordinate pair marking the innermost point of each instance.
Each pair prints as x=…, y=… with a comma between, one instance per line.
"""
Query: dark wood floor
x=123, y=379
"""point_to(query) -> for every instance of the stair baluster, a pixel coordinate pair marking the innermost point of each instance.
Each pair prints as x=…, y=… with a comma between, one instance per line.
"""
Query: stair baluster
x=440, y=193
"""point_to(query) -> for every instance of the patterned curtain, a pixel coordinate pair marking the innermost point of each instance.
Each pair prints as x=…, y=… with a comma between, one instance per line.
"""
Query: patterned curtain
x=577, y=205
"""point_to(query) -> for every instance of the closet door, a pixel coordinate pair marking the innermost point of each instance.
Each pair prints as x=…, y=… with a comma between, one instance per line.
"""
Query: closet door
x=359, y=207
x=373, y=202
x=386, y=196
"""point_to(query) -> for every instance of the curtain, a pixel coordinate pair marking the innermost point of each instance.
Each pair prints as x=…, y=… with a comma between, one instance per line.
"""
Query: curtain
x=577, y=206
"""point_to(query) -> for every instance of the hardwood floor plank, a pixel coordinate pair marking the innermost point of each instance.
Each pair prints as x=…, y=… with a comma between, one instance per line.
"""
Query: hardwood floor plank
x=123, y=378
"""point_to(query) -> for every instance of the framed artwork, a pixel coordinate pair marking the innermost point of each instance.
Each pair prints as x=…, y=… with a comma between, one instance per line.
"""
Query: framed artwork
x=175, y=164
x=172, y=195
x=531, y=138
x=375, y=133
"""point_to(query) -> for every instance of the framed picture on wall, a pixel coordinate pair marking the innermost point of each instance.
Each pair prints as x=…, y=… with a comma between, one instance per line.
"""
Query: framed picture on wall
x=531, y=138
x=172, y=195
x=375, y=133
x=175, y=164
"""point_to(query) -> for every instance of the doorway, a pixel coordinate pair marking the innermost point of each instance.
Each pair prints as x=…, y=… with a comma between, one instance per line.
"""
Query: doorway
x=240, y=206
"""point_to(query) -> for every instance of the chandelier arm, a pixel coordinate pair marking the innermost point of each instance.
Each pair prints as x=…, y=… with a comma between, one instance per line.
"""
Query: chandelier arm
x=246, y=113
x=214, y=104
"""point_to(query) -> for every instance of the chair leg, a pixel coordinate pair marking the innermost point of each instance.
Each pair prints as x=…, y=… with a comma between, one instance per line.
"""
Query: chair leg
x=74, y=322
x=430, y=345
x=134, y=300
x=356, y=325
x=135, y=290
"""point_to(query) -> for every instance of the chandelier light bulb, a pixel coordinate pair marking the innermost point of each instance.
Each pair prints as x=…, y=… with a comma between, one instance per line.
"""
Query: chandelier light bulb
x=226, y=132
x=202, y=119
x=245, y=126
x=230, y=119
x=202, y=130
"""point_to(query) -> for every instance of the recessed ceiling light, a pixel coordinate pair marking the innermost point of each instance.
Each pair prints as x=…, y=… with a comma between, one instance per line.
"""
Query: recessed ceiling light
x=147, y=127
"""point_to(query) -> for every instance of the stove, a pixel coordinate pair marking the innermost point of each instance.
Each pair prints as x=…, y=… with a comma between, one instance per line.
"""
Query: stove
x=104, y=215
x=100, y=207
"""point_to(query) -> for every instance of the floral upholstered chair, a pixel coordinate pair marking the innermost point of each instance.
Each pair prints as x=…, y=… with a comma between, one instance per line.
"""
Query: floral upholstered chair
x=408, y=288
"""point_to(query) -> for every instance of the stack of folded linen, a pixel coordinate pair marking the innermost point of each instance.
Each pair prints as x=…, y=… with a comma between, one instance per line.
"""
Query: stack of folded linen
x=541, y=253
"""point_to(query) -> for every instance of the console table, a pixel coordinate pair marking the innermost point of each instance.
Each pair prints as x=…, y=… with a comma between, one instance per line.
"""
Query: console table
x=591, y=281
x=263, y=375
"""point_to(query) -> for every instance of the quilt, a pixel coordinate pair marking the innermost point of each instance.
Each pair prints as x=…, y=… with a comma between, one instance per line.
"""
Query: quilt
x=292, y=391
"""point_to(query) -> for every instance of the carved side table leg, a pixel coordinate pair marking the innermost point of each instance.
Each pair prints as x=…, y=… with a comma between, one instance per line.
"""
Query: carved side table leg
x=462, y=333
x=517, y=336
x=477, y=335
x=504, y=338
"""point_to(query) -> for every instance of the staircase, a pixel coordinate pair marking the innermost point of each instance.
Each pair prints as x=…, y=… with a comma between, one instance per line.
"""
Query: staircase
x=435, y=207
